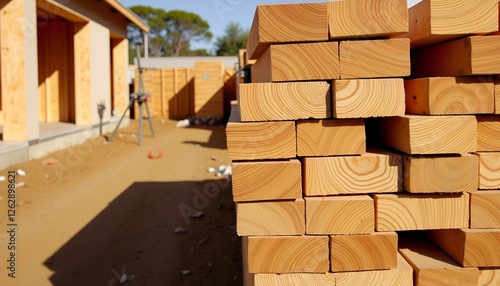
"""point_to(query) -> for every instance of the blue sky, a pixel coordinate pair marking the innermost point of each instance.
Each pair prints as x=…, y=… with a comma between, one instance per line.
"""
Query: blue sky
x=219, y=13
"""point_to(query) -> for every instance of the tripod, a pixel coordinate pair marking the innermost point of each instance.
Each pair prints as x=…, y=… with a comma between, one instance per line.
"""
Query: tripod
x=141, y=98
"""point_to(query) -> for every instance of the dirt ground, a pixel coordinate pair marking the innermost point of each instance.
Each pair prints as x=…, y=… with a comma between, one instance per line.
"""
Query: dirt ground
x=89, y=212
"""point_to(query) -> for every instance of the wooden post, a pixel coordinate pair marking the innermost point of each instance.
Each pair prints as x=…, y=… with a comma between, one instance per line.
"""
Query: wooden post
x=441, y=174
x=271, y=218
x=267, y=180
x=275, y=65
x=450, y=96
x=287, y=23
x=484, y=209
x=415, y=134
x=83, y=88
x=397, y=212
x=377, y=171
x=367, y=19
x=474, y=55
x=489, y=170
x=374, y=58
x=470, y=247
x=364, y=98
x=284, y=101
x=432, y=265
x=488, y=133
x=339, y=215
x=19, y=75
x=288, y=254
x=436, y=21
x=331, y=137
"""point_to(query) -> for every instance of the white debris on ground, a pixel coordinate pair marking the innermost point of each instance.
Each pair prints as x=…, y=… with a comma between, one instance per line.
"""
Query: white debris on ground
x=211, y=170
x=224, y=171
x=21, y=172
x=180, y=230
x=2, y=178
x=201, y=120
x=186, y=272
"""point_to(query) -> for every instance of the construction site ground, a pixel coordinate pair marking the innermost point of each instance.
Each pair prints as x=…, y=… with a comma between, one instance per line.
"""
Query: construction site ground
x=97, y=213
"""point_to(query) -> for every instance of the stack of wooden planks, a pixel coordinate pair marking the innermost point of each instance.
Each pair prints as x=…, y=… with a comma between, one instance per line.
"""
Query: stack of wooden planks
x=352, y=168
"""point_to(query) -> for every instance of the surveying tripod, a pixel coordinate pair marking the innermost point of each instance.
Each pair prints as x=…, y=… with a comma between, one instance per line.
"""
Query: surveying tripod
x=141, y=98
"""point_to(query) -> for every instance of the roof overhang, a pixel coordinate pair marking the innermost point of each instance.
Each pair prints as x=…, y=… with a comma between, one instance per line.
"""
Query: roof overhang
x=131, y=16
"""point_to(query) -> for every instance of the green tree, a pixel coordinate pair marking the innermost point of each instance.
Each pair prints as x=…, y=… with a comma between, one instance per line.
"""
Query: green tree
x=170, y=32
x=234, y=39
x=184, y=27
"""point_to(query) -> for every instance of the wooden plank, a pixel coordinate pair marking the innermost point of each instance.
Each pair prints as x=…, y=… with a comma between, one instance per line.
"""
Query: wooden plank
x=416, y=134
x=288, y=254
x=441, y=174
x=485, y=209
x=489, y=277
x=267, y=180
x=400, y=276
x=474, y=55
x=339, y=215
x=432, y=265
x=120, y=96
x=209, y=92
x=396, y=212
x=42, y=39
x=450, y=95
x=367, y=19
x=373, y=251
x=374, y=58
x=362, y=98
x=377, y=171
x=260, y=140
x=83, y=101
x=286, y=23
x=470, y=247
x=331, y=137
x=271, y=218
x=497, y=94
x=275, y=64
x=437, y=21
x=284, y=101
x=296, y=279
x=248, y=278
x=488, y=133
x=489, y=170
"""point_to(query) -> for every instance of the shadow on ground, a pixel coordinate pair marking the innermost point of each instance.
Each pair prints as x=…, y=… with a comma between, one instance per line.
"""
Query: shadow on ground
x=136, y=233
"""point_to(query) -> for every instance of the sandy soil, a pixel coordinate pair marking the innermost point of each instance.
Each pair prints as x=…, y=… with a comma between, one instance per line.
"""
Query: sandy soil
x=99, y=209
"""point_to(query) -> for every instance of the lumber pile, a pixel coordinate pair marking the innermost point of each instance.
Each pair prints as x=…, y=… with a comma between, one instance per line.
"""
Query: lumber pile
x=352, y=166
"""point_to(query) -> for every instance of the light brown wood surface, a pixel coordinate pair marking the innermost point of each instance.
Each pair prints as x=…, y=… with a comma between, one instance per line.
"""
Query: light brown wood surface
x=474, y=55
x=374, y=58
x=470, y=247
x=271, y=218
x=497, y=95
x=267, y=180
x=489, y=277
x=259, y=140
x=441, y=174
x=377, y=171
x=374, y=251
x=209, y=91
x=397, y=212
x=298, y=62
x=450, y=95
x=363, y=98
x=287, y=23
x=435, y=21
x=400, y=276
x=488, y=133
x=331, y=137
x=485, y=209
x=489, y=170
x=83, y=102
x=415, y=134
x=119, y=51
x=367, y=19
x=284, y=101
x=339, y=215
x=433, y=266
x=288, y=254
x=295, y=279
